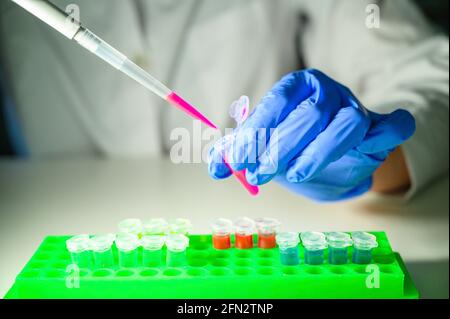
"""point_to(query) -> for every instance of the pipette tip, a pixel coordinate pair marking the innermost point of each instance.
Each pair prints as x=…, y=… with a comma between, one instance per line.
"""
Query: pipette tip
x=181, y=104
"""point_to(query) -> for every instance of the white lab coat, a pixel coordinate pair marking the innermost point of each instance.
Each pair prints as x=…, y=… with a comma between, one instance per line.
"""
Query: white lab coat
x=212, y=51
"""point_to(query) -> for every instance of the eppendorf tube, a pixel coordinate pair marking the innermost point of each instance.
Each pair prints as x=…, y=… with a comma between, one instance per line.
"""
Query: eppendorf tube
x=130, y=226
x=79, y=248
x=244, y=229
x=221, y=233
x=267, y=229
x=315, y=244
x=127, y=245
x=152, y=250
x=338, y=244
x=156, y=226
x=176, y=250
x=101, y=250
x=363, y=244
x=288, y=245
x=180, y=226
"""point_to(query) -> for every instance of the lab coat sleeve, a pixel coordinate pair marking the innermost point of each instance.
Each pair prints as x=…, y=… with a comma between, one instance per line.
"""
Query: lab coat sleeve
x=403, y=63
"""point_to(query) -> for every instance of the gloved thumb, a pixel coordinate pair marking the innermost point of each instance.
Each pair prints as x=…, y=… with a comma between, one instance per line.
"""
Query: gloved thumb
x=388, y=131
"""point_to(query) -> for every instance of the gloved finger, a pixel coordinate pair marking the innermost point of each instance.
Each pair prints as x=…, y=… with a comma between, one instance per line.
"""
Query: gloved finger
x=217, y=168
x=322, y=192
x=388, y=132
x=346, y=131
x=274, y=107
x=301, y=127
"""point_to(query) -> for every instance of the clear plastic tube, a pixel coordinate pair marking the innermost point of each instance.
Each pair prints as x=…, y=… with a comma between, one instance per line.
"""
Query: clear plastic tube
x=176, y=250
x=180, y=226
x=267, y=229
x=338, y=243
x=221, y=233
x=288, y=245
x=315, y=244
x=156, y=226
x=101, y=250
x=127, y=245
x=130, y=226
x=363, y=244
x=245, y=228
x=79, y=248
x=152, y=250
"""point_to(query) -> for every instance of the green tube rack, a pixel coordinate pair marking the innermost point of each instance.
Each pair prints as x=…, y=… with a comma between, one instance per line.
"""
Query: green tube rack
x=210, y=274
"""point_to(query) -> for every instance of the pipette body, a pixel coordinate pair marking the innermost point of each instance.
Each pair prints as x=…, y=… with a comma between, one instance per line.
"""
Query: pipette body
x=72, y=29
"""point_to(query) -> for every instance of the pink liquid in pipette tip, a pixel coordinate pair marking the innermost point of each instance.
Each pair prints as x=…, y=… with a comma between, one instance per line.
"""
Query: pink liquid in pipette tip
x=181, y=104
x=240, y=175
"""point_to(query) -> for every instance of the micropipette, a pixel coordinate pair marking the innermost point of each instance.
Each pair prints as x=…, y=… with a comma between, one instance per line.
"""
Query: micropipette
x=60, y=21
x=73, y=30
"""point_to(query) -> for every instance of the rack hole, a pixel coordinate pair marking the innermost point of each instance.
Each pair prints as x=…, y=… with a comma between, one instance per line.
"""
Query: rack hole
x=338, y=270
x=29, y=274
x=220, y=262
x=54, y=274
x=196, y=272
x=243, y=271
x=149, y=273
x=387, y=269
x=265, y=262
x=265, y=254
x=314, y=270
x=266, y=271
x=243, y=262
x=37, y=265
x=172, y=272
x=197, y=262
x=200, y=246
x=220, y=271
x=102, y=273
x=221, y=254
x=243, y=254
x=124, y=273
x=290, y=270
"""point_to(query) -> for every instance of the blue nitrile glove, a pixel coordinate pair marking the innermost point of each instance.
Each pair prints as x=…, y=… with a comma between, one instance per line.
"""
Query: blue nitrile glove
x=326, y=145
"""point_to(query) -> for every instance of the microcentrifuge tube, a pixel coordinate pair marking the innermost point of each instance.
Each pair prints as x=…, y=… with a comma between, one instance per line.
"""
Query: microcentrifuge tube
x=101, y=250
x=363, y=243
x=315, y=244
x=152, y=254
x=288, y=246
x=221, y=233
x=79, y=248
x=244, y=229
x=180, y=226
x=127, y=245
x=130, y=226
x=267, y=229
x=156, y=226
x=176, y=250
x=338, y=243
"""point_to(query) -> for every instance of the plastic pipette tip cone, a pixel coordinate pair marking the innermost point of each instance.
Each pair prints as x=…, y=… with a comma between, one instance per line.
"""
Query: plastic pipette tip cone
x=181, y=104
x=240, y=176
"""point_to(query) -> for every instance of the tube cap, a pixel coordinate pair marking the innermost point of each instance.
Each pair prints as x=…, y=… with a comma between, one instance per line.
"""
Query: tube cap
x=127, y=241
x=313, y=240
x=177, y=242
x=363, y=240
x=78, y=244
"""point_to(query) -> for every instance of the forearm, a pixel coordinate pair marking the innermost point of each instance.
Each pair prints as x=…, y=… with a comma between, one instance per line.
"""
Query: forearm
x=392, y=176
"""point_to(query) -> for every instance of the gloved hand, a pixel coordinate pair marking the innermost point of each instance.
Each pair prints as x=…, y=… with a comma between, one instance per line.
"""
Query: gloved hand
x=325, y=145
